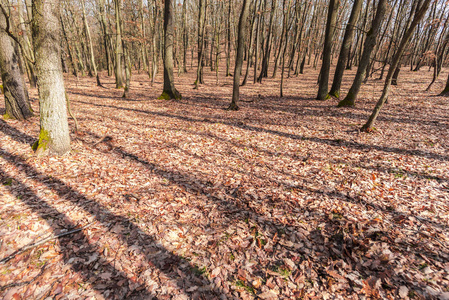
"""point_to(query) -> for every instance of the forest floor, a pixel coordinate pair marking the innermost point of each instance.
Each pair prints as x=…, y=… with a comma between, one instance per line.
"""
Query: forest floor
x=283, y=199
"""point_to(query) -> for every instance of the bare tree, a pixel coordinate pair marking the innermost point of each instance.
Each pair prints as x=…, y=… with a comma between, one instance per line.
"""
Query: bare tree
x=239, y=56
x=345, y=48
x=325, y=67
x=418, y=15
x=366, y=55
x=169, y=92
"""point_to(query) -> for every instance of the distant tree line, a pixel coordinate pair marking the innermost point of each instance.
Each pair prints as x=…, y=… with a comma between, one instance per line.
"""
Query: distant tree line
x=262, y=38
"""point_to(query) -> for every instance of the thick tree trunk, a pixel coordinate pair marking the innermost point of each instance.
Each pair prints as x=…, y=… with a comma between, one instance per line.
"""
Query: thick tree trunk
x=169, y=91
x=368, y=47
x=345, y=48
x=419, y=14
x=17, y=103
x=239, y=56
x=325, y=67
x=54, y=135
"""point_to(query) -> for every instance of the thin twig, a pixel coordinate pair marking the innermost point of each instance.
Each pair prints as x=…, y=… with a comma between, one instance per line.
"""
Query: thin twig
x=43, y=241
x=16, y=284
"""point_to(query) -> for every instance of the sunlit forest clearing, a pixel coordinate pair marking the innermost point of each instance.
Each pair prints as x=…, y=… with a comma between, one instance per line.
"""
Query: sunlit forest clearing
x=207, y=149
x=283, y=198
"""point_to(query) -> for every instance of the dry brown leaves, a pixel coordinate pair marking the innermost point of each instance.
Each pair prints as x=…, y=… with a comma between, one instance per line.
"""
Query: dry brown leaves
x=283, y=199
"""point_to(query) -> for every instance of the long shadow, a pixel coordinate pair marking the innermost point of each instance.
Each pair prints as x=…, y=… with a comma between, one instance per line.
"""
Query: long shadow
x=16, y=134
x=171, y=265
x=80, y=240
x=240, y=145
x=330, y=142
x=234, y=205
x=23, y=138
x=332, y=111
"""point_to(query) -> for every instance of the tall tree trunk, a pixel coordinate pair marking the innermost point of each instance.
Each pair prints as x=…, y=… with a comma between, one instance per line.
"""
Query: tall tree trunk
x=17, y=103
x=169, y=91
x=250, y=48
x=327, y=51
x=228, y=40
x=93, y=70
x=259, y=25
x=284, y=50
x=54, y=135
x=419, y=14
x=201, y=39
x=143, y=43
x=345, y=48
x=185, y=36
x=119, y=47
x=127, y=71
x=27, y=47
x=368, y=47
x=239, y=56
x=69, y=50
x=267, y=52
x=106, y=40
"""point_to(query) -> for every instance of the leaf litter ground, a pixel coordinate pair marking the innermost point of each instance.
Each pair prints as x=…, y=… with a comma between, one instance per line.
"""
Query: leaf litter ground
x=283, y=199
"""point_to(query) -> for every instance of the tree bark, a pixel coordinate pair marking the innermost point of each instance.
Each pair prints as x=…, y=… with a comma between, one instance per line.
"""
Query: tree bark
x=54, y=135
x=106, y=41
x=119, y=47
x=27, y=47
x=345, y=48
x=325, y=67
x=228, y=40
x=419, y=14
x=201, y=30
x=185, y=36
x=368, y=47
x=239, y=56
x=91, y=47
x=17, y=103
x=445, y=92
x=267, y=52
x=169, y=91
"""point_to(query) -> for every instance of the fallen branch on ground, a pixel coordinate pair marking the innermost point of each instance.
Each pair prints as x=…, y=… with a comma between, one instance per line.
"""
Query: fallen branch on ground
x=43, y=241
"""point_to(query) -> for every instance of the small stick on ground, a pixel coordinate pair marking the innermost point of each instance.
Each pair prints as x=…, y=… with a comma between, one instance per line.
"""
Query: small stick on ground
x=43, y=241
x=17, y=284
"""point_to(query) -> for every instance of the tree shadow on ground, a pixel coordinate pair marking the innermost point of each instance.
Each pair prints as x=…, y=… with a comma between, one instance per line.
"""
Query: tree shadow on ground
x=325, y=141
x=176, y=268
x=234, y=207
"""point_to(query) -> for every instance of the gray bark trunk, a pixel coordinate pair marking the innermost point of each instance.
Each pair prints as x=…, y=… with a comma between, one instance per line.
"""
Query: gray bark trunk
x=394, y=64
x=119, y=47
x=15, y=92
x=325, y=67
x=239, y=56
x=368, y=47
x=345, y=48
x=169, y=91
x=54, y=135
